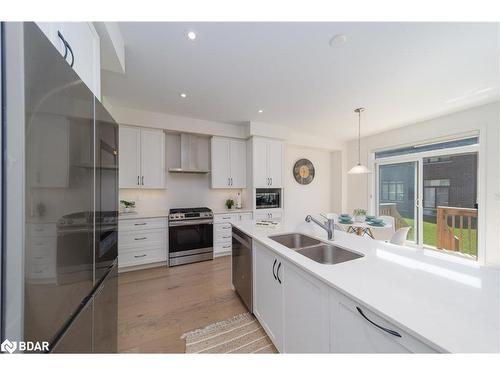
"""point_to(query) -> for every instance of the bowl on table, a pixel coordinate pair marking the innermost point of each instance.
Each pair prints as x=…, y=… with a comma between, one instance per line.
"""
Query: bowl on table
x=370, y=217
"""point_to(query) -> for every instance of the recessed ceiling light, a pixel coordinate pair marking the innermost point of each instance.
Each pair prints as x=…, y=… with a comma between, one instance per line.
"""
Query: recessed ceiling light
x=183, y=95
x=338, y=40
x=191, y=35
x=260, y=111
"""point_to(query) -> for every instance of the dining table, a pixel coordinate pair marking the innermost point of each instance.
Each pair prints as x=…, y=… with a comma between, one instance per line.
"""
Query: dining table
x=362, y=228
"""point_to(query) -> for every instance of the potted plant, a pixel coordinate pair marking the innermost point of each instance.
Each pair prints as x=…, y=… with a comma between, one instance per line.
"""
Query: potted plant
x=359, y=214
x=229, y=203
x=127, y=205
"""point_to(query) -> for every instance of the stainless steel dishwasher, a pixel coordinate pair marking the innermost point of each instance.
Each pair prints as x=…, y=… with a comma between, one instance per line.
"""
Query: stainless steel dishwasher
x=242, y=266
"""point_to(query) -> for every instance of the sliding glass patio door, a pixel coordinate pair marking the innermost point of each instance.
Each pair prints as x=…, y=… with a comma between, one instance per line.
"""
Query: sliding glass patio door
x=435, y=194
x=397, y=195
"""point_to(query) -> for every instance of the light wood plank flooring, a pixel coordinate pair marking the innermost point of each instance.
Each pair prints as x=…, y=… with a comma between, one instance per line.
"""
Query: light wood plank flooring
x=156, y=306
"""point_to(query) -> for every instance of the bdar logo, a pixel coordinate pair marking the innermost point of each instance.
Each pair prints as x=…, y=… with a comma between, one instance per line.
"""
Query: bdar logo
x=8, y=346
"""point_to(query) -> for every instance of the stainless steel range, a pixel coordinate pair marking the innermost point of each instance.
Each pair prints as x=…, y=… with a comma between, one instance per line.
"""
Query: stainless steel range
x=190, y=235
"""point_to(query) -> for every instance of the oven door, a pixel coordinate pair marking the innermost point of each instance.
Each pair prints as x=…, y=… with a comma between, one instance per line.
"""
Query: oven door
x=190, y=237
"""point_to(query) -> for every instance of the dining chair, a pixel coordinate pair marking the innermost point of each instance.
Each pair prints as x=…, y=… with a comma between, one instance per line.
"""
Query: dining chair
x=389, y=220
x=399, y=237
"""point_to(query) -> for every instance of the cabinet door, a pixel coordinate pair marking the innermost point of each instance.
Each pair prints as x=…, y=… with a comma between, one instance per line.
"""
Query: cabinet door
x=246, y=216
x=306, y=318
x=221, y=166
x=351, y=332
x=238, y=157
x=130, y=157
x=152, y=159
x=260, y=167
x=268, y=297
x=84, y=42
x=275, y=163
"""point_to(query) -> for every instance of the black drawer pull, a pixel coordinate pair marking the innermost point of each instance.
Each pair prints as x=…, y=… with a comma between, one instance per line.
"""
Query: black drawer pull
x=278, y=273
x=140, y=224
x=140, y=256
x=394, y=333
x=140, y=238
x=274, y=265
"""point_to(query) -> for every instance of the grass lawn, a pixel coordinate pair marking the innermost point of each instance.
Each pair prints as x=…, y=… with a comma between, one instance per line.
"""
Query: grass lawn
x=430, y=234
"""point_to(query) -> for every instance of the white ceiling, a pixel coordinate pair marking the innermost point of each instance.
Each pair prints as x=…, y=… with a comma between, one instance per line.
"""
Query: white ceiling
x=401, y=72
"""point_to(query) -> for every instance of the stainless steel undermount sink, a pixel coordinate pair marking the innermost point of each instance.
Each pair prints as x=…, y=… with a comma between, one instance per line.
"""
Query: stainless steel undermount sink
x=319, y=251
x=328, y=254
x=295, y=240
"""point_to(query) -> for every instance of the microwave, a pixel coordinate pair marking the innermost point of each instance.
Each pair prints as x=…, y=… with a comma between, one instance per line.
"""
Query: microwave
x=268, y=198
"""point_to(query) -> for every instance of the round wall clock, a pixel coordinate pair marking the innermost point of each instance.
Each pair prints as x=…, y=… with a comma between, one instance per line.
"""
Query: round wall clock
x=303, y=171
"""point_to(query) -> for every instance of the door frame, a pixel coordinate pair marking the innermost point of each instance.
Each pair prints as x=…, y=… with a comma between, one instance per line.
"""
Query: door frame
x=373, y=186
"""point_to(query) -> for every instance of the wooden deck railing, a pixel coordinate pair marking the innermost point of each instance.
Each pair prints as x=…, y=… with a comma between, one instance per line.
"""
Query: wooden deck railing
x=456, y=230
x=390, y=209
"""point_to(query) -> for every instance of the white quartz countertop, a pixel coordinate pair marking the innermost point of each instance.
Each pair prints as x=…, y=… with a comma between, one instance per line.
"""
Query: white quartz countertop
x=449, y=303
x=222, y=211
x=142, y=215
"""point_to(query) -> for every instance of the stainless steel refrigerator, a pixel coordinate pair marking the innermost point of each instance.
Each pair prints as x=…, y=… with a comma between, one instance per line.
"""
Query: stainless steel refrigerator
x=71, y=206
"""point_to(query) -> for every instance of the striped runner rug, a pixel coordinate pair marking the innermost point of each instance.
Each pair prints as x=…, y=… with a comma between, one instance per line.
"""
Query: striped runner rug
x=239, y=334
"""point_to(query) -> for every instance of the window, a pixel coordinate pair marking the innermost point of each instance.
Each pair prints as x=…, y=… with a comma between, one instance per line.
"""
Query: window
x=428, y=147
x=392, y=191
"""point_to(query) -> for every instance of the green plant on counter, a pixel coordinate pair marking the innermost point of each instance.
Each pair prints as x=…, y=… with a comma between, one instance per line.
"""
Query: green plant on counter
x=229, y=203
x=128, y=204
x=359, y=212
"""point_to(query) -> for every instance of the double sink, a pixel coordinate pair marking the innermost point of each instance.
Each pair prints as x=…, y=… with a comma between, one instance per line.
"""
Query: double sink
x=319, y=251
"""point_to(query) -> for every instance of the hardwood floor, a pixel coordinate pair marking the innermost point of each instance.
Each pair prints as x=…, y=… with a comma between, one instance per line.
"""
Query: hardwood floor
x=156, y=306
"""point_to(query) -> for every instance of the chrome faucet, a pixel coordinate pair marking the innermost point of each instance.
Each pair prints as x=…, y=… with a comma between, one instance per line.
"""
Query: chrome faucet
x=329, y=226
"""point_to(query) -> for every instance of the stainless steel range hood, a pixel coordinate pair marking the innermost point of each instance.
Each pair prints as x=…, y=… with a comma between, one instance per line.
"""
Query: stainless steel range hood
x=189, y=155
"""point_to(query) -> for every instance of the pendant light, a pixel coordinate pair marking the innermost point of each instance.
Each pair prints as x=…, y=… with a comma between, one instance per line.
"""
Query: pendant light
x=359, y=168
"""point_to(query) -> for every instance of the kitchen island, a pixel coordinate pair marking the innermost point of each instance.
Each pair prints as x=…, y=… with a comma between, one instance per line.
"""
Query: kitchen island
x=393, y=299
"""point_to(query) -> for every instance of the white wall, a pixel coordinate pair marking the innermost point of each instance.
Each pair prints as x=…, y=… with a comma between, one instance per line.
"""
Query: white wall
x=315, y=198
x=485, y=119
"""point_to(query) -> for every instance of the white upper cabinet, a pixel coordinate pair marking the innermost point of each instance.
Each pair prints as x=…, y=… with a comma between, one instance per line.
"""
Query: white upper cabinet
x=142, y=158
x=228, y=163
x=130, y=157
x=152, y=158
x=79, y=43
x=267, y=163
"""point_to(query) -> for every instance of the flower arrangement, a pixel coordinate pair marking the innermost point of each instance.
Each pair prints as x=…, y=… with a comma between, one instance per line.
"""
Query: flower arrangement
x=229, y=203
x=128, y=205
x=359, y=214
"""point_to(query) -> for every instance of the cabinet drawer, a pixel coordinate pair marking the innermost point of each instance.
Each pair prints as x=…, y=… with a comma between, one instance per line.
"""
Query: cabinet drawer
x=41, y=271
x=246, y=216
x=225, y=218
x=143, y=238
x=223, y=227
x=141, y=256
x=222, y=237
x=140, y=224
x=222, y=247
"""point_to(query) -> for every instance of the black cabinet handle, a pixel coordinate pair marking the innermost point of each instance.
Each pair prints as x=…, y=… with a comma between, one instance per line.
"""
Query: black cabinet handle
x=140, y=238
x=138, y=180
x=140, y=256
x=394, y=333
x=142, y=181
x=72, y=54
x=278, y=273
x=274, y=265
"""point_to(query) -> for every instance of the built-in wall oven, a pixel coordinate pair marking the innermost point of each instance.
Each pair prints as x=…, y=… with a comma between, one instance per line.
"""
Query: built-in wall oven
x=267, y=198
x=190, y=235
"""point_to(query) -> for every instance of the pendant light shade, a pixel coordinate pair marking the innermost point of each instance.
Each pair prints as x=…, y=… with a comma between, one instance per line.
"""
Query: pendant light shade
x=359, y=168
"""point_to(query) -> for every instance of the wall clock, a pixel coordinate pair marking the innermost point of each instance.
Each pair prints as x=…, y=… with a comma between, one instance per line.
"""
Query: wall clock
x=303, y=171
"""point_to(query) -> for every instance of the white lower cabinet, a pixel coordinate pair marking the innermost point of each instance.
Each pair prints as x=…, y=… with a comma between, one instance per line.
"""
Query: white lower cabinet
x=301, y=314
x=305, y=313
x=268, y=278
x=355, y=329
x=223, y=231
x=141, y=241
